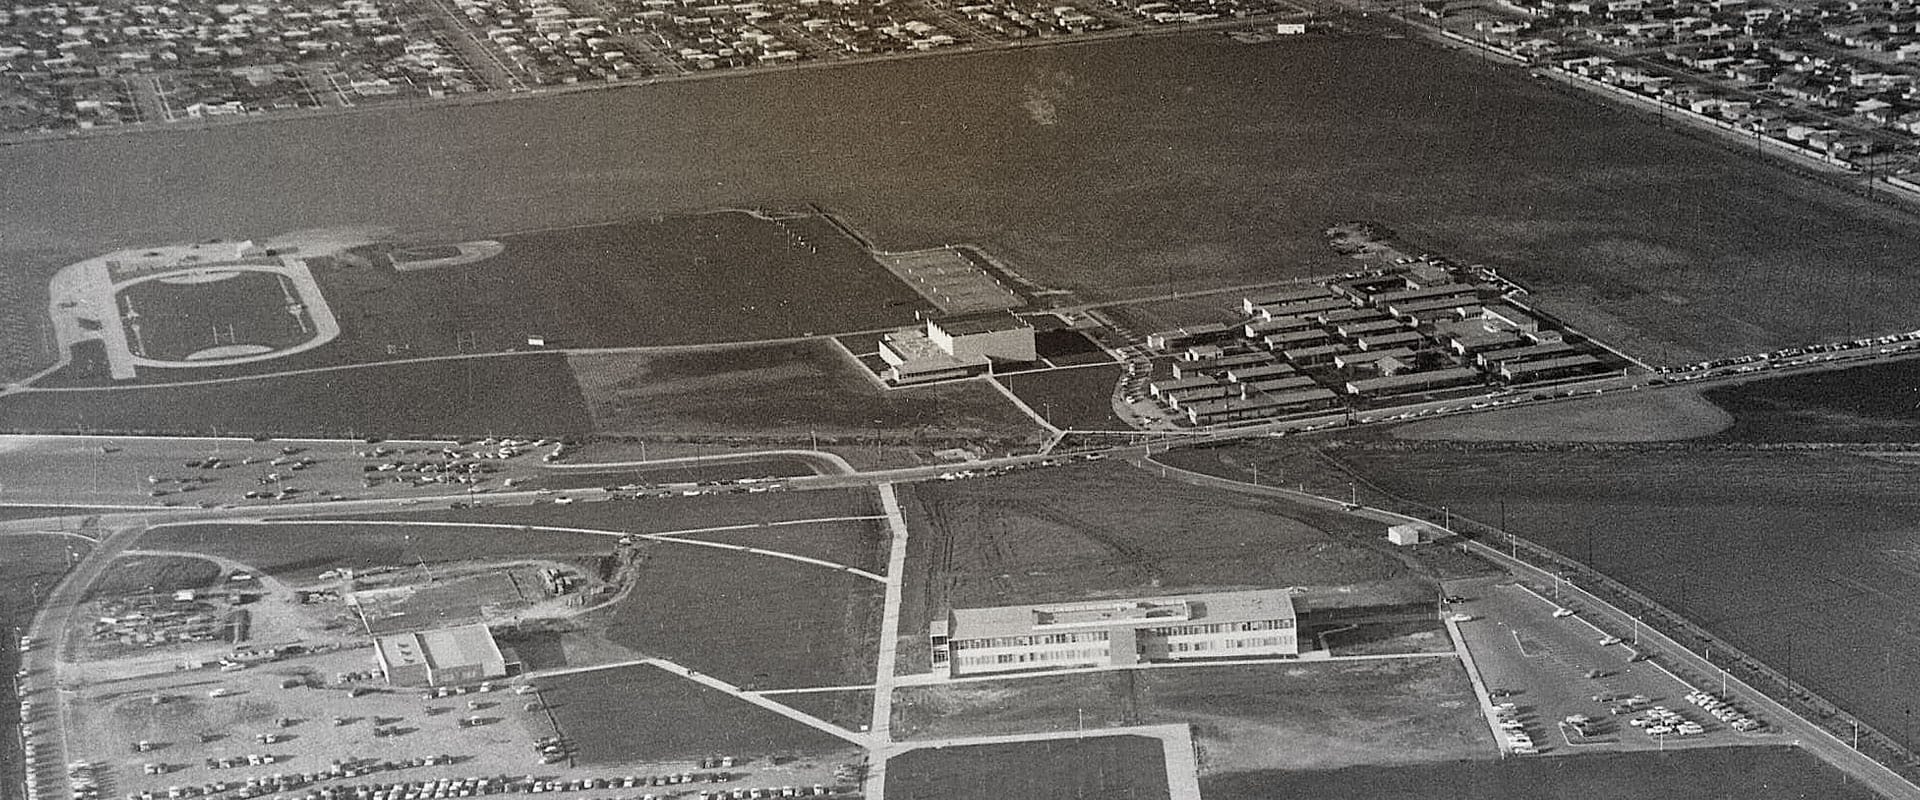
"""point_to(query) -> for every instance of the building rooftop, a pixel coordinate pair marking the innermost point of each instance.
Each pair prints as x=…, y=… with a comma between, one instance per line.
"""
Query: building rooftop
x=440, y=648
x=979, y=323
x=1217, y=607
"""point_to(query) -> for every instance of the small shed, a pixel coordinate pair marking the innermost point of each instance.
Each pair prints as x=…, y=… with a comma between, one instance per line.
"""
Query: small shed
x=1408, y=533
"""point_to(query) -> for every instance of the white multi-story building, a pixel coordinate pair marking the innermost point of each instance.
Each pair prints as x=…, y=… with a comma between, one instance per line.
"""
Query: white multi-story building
x=1116, y=632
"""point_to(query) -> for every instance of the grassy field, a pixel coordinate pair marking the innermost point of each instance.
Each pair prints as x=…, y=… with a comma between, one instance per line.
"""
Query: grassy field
x=753, y=621
x=1649, y=236
x=32, y=566
x=1805, y=560
x=1109, y=530
x=1776, y=773
x=1070, y=398
x=300, y=552
x=1269, y=716
x=663, y=514
x=646, y=714
x=851, y=709
x=855, y=543
x=177, y=319
x=149, y=574
x=796, y=390
x=1098, y=768
x=529, y=395
x=1872, y=403
x=1643, y=416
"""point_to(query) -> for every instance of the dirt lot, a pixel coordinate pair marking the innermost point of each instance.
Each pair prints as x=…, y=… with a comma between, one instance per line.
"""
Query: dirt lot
x=1778, y=773
x=148, y=574
x=1649, y=415
x=797, y=390
x=1109, y=530
x=1104, y=767
x=1271, y=716
x=648, y=715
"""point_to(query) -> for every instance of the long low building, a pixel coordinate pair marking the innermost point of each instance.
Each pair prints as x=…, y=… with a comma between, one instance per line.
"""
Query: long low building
x=1299, y=308
x=1267, y=327
x=1370, y=359
x=1523, y=371
x=1492, y=359
x=443, y=657
x=1444, y=290
x=1259, y=372
x=1414, y=381
x=1391, y=341
x=1301, y=338
x=1280, y=297
x=1117, y=632
x=1309, y=356
x=1219, y=364
x=1260, y=405
x=1191, y=334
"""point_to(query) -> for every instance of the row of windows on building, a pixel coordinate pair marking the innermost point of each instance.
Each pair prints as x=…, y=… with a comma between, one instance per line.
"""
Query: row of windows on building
x=1223, y=627
x=1029, y=641
x=1040, y=656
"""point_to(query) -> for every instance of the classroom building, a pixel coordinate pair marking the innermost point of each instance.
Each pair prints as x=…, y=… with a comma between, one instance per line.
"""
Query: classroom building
x=1116, y=632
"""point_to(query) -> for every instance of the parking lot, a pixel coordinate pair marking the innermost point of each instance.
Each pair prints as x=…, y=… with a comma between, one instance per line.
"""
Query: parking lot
x=296, y=726
x=1572, y=687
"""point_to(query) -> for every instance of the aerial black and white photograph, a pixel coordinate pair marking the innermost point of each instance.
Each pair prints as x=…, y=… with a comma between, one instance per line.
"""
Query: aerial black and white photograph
x=960, y=399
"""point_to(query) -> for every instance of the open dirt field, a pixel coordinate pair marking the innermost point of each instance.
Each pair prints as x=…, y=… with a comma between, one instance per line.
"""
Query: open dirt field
x=1805, y=560
x=1651, y=415
x=152, y=574
x=1109, y=530
x=1777, y=773
x=796, y=390
x=753, y=621
x=1103, y=767
x=1269, y=716
x=645, y=714
x=527, y=395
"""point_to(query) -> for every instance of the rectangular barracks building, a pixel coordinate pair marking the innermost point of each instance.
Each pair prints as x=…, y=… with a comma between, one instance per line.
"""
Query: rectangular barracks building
x=441, y=657
x=1118, y=632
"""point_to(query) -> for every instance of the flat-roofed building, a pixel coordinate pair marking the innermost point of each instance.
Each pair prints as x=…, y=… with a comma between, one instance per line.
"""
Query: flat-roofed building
x=1521, y=372
x=1470, y=342
x=1445, y=290
x=1220, y=365
x=1355, y=330
x=997, y=337
x=1163, y=386
x=1191, y=334
x=1311, y=356
x=1258, y=372
x=1391, y=341
x=1506, y=317
x=913, y=358
x=1492, y=359
x=442, y=657
x=1443, y=316
x=1200, y=394
x=1276, y=385
x=1264, y=327
x=1349, y=315
x=1279, y=297
x=1300, y=308
x=1121, y=632
x=1414, y=381
x=1261, y=405
x=1292, y=339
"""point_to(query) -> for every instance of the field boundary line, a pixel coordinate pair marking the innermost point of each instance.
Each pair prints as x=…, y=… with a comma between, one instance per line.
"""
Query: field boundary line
x=880, y=742
x=657, y=537
x=809, y=689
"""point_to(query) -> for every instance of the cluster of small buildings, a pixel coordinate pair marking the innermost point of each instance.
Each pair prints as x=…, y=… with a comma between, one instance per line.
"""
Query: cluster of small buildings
x=1364, y=337
x=1838, y=79
x=143, y=621
x=79, y=65
x=1020, y=19
x=1248, y=624
x=1179, y=12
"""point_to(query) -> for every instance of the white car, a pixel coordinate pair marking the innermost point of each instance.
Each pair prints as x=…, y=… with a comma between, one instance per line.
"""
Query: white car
x=1462, y=618
x=1563, y=612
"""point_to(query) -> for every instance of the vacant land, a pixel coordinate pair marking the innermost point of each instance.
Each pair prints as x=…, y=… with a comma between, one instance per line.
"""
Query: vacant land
x=643, y=714
x=689, y=472
x=796, y=390
x=665, y=514
x=1636, y=233
x=1097, y=768
x=1873, y=403
x=1267, y=716
x=298, y=552
x=1779, y=773
x=850, y=708
x=1805, y=560
x=525, y=395
x=1080, y=398
x=1109, y=530
x=855, y=543
x=150, y=574
x=1651, y=415
x=753, y=621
